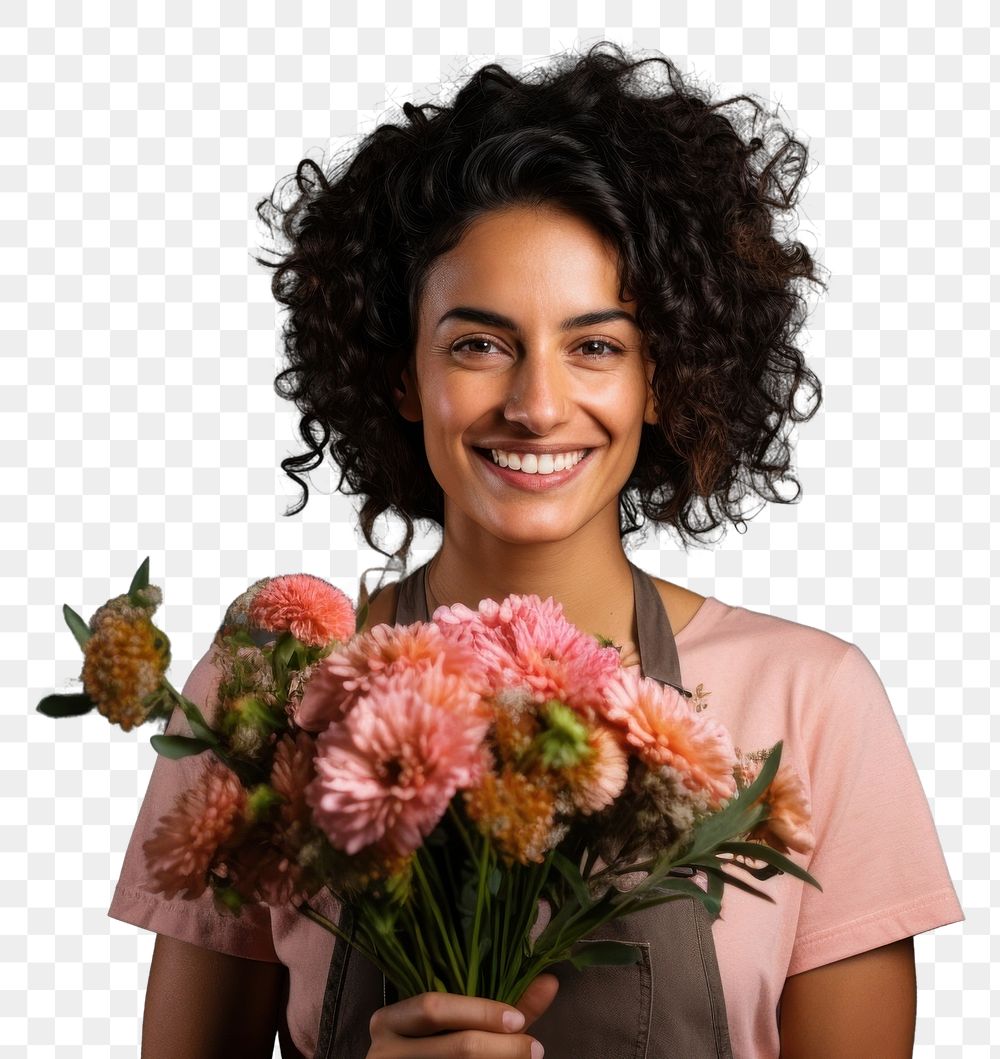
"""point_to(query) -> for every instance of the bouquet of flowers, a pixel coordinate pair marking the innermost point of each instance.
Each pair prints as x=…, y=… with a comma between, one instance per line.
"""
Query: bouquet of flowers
x=442, y=778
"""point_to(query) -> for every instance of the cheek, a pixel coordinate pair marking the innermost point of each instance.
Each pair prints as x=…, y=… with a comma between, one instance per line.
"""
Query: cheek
x=458, y=401
x=621, y=410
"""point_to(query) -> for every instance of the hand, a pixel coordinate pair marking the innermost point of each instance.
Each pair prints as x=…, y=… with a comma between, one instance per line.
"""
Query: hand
x=460, y=1025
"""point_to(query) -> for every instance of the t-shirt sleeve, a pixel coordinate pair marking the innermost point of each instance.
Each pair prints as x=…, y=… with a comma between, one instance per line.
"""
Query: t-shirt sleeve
x=195, y=920
x=877, y=855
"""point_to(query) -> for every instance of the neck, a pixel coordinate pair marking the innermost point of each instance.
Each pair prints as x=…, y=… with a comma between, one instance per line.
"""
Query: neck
x=591, y=578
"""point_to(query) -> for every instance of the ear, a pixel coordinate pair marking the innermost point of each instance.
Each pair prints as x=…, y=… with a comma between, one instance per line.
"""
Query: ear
x=407, y=396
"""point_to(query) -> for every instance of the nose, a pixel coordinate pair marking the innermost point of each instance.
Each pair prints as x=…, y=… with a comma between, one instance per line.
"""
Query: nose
x=537, y=392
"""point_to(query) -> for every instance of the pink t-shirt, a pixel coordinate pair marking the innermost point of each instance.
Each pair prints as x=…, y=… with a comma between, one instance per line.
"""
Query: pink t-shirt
x=878, y=855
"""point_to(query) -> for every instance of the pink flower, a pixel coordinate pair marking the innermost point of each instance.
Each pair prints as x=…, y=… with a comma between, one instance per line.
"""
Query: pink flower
x=527, y=641
x=279, y=880
x=291, y=772
x=346, y=673
x=387, y=772
x=659, y=723
x=313, y=610
x=186, y=840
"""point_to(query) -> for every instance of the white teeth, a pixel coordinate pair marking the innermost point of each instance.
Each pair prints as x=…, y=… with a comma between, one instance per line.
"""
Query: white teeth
x=530, y=463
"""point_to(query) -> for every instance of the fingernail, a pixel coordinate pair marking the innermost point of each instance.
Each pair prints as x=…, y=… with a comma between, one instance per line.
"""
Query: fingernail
x=537, y=1051
x=513, y=1020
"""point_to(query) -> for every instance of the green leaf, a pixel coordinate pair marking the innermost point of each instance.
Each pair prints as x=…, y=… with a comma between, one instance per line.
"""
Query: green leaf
x=77, y=626
x=715, y=888
x=571, y=873
x=178, y=746
x=767, y=772
x=71, y=705
x=140, y=579
x=200, y=728
x=715, y=871
x=285, y=649
x=493, y=882
x=761, y=851
x=603, y=953
x=671, y=884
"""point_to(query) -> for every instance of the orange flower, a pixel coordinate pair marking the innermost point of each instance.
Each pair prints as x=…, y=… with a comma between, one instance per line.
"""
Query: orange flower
x=788, y=825
x=124, y=661
x=517, y=813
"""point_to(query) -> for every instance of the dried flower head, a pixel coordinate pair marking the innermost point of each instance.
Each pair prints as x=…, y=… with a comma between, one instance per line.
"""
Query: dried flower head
x=124, y=661
x=516, y=812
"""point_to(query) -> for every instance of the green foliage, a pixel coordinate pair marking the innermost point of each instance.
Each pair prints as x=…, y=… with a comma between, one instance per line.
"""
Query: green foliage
x=140, y=580
x=65, y=705
x=77, y=626
x=178, y=746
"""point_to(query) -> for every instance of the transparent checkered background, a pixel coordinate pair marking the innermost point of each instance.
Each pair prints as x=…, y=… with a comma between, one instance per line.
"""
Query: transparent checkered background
x=139, y=350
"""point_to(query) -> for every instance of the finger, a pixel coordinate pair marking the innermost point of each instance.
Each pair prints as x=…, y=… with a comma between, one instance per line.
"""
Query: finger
x=462, y=1043
x=427, y=1013
x=536, y=999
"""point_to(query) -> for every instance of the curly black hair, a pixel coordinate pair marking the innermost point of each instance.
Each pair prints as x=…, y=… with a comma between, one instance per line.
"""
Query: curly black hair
x=693, y=199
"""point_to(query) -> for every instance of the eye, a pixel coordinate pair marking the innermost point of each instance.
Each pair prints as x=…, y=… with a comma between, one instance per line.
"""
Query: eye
x=609, y=350
x=473, y=341
x=612, y=349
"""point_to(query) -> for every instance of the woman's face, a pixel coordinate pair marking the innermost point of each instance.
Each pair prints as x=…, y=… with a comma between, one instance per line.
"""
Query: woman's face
x=505, y=358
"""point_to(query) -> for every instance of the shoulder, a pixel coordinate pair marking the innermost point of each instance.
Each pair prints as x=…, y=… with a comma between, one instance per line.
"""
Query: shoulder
x=382, y=606
x=752, y=638
x=681, y=604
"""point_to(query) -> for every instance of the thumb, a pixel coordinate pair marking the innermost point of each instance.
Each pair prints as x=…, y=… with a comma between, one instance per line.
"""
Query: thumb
x=537, y=997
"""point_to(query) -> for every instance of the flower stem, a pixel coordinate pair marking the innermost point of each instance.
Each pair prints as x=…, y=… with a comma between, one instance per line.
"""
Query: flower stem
x=454, y=958
x=481, y=899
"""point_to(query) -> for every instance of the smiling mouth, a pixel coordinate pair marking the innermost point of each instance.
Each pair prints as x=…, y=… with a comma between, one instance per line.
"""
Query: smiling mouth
x=487, y=455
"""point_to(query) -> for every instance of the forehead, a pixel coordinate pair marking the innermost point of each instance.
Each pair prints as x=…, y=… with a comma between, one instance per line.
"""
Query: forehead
x=525, y=261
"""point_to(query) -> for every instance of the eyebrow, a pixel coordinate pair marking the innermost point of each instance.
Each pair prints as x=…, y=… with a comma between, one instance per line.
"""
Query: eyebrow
x=489, y=319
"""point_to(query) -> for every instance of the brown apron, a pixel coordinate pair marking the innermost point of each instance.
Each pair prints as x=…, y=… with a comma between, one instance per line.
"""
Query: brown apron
x=669, y=1004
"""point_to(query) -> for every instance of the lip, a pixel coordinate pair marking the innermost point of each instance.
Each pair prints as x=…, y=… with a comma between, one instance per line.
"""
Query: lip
x=527, y=446
x=532, y=483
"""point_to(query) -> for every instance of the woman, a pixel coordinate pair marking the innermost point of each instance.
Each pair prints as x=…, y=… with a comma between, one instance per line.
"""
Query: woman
x=541, y=318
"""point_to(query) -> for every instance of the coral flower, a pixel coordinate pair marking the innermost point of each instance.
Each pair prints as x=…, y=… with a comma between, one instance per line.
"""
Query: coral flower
x=280, y=880
x=186, y=840
x=291, y=772
x=387, y=772
x=597, y=780
x=525, y=640
x=666, y=731
x=260, y=871
x=346, y=673
x=124, y=661
x=788, y=825
x=313, y=610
